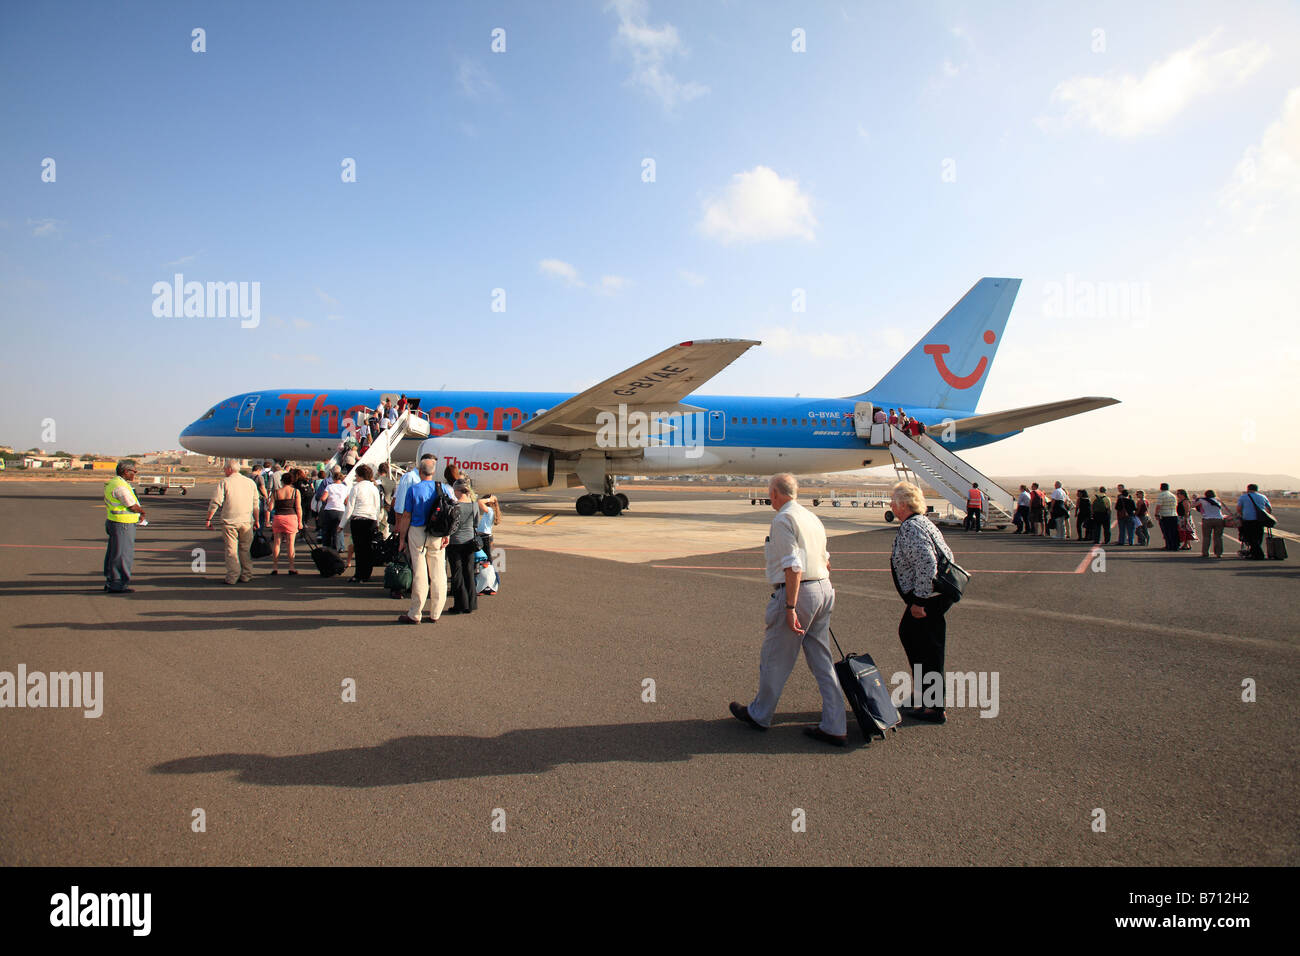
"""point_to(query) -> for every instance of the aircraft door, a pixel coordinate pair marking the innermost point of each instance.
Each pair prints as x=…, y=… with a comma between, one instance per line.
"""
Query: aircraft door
x=244, y=420
x=862, y=415
x=717, y=426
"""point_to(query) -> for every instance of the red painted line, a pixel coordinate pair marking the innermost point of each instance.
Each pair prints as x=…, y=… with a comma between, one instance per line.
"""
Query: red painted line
x=1087, y=558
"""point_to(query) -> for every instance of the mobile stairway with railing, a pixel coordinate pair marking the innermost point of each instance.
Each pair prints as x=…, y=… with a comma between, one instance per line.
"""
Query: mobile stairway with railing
x=943, y=471
x=409, y=424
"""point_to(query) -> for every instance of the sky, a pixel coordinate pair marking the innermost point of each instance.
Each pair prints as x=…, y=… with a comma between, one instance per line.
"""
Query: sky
x=539, y=195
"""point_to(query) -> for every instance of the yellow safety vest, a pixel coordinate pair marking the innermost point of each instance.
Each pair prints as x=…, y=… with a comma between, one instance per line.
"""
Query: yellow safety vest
x=116, y=510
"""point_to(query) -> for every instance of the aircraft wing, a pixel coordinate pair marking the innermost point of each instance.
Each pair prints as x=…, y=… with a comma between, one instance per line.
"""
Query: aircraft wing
x=655, y=386
x=1017, y=419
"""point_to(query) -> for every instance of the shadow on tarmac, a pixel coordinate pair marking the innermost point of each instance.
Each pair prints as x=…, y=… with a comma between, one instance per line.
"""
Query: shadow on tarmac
x=424, y=759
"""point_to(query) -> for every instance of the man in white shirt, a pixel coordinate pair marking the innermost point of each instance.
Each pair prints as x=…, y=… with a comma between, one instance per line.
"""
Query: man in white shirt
x=1021, y=519
x=236, y=500
x=1060, y=504
x=798, y=615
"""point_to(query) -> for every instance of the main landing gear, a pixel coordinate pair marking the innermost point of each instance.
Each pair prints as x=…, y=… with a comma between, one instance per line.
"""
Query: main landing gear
x=608, y=501
x=611, y=505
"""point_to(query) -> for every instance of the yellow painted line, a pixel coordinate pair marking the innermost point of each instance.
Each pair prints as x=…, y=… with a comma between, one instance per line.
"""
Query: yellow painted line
x=544, y=519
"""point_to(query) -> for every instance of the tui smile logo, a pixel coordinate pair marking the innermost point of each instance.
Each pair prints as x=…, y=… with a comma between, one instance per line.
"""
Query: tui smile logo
x=959, y=381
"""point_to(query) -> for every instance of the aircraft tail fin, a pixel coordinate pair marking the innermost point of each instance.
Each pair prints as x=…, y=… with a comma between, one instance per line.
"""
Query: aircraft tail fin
x=948, y=367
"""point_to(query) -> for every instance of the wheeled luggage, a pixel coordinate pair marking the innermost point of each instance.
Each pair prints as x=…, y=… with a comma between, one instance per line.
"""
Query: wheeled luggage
x=328, y=561
x=1275, y=547
x=867, y=694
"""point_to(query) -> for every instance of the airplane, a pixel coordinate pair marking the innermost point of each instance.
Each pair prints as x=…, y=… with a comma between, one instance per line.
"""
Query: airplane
x=647, y=420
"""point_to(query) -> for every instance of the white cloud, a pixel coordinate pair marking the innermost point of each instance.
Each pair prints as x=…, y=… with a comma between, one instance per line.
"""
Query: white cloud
x=301, y=324
x=1269, y=172
x=759, y=205
x=651, y=48
x=1127, y=105
x=822, y=345
x=561, y=270
x=181, y=261
x=475, y=82
x=327, y=299
x=45, y=228
x=691, y=278
x=612, y=284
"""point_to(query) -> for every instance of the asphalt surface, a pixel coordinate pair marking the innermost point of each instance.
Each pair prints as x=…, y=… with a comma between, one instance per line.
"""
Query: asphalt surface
x=1119, y=690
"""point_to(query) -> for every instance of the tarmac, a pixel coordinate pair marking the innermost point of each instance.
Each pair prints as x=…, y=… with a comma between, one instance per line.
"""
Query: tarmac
x=524, y=733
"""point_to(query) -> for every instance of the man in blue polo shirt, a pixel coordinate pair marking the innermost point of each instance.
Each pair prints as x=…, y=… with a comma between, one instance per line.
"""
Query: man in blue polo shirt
x=1249, y=506
x=406, y=482
x=428, y=555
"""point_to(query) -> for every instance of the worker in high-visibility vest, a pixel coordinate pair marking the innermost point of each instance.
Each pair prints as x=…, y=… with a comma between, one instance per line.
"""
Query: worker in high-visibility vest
x=974, y=507
x=123, y=514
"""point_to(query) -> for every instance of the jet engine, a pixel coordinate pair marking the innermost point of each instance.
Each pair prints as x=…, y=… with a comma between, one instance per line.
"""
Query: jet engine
x=493, y=466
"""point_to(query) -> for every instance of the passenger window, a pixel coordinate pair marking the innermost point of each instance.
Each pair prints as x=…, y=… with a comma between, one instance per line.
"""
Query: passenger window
x=734, y=420
x=784, y=422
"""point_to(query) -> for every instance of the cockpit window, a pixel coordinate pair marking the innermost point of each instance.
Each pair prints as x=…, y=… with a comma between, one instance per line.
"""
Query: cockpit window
x=212, y=413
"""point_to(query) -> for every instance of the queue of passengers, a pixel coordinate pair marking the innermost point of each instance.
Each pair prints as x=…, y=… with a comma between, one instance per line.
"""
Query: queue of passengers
x=1044, y=514
x=375, y=513
x=897, y=418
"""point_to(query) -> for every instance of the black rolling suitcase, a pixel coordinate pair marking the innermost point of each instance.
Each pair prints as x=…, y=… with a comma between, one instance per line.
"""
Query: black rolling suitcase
x=1274, y=547
x=328, y=561
x=868, y=696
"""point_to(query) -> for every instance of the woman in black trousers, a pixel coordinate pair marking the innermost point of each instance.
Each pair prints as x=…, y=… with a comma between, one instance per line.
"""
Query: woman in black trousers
x=923, y=630
x=460, y=552
x=1083, y=516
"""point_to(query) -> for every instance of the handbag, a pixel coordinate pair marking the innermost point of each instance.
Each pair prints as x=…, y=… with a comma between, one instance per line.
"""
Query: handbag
x=260, y=547
x=1262, y=516
x=951, y=579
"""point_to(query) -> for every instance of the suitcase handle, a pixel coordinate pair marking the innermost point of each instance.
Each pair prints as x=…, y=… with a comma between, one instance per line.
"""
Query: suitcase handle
x=837, y=644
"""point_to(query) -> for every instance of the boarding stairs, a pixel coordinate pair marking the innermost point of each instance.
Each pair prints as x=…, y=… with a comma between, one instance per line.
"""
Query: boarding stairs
x=409, y=424
x=943, y=471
